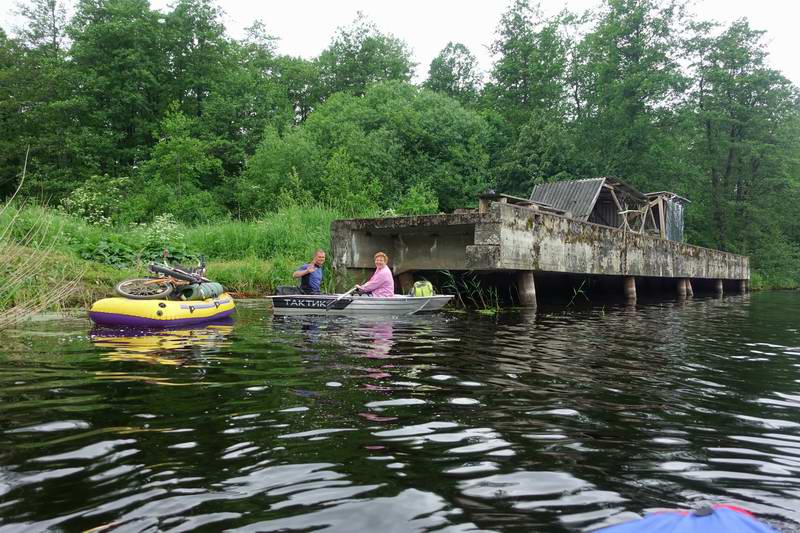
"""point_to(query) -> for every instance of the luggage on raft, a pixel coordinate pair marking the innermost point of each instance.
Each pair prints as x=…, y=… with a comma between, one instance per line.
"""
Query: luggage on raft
x=200, y=291
x=160, y=313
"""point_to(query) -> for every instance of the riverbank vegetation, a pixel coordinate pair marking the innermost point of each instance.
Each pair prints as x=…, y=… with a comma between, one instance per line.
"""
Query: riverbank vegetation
x=150, y=127
x=53, y=258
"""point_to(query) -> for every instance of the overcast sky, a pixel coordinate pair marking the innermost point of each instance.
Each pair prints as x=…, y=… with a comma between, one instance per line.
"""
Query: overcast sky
x=305, y=27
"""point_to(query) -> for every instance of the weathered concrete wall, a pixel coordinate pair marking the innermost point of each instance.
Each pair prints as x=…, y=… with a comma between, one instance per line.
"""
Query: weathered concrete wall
x=519, y=239
x=515, y=238
x=413, y=243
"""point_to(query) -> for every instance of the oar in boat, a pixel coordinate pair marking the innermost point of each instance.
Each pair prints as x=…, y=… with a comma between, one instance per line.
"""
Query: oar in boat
x=340, y=297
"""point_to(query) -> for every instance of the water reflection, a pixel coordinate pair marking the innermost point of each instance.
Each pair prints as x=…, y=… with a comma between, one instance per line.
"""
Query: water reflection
x=192, y=348
x=380, y=334
x=162, y=346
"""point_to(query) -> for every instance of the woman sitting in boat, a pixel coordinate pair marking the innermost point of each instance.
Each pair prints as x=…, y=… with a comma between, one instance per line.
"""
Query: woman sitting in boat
x=382, y=282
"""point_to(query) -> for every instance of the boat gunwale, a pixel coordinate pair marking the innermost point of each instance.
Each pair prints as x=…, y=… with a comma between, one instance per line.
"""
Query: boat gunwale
x=396, y=298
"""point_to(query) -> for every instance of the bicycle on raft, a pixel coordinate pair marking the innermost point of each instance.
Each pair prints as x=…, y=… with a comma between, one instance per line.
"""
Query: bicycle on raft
x=166, y=280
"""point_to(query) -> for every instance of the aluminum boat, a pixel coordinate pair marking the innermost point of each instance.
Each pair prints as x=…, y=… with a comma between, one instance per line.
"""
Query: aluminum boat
x=335, y=304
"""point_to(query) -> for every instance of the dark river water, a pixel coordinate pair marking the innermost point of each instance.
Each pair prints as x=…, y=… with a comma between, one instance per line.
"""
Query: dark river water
x=454, y=422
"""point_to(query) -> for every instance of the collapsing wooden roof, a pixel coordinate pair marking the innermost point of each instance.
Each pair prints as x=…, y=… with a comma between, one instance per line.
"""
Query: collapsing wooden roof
x=578, y=197
x=612, y=202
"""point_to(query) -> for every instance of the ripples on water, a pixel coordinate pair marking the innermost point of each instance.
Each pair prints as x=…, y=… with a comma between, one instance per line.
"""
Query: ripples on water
x=441, y=423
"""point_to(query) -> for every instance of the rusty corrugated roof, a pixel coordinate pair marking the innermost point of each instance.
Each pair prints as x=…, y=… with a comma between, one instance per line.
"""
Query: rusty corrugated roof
x=576, y=197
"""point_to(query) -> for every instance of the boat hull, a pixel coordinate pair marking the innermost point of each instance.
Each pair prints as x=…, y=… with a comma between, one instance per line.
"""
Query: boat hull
x=159, y=313
x=329, y=304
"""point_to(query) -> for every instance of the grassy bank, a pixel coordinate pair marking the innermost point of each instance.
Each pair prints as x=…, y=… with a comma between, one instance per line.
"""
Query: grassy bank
x=52, y=250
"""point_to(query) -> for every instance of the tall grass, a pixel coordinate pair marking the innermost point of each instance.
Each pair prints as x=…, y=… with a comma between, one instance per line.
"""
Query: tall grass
x=19, y=220
x=293, y=232
x=257, y=256
x=34, y=274
x=38, y=271
x=252, y=275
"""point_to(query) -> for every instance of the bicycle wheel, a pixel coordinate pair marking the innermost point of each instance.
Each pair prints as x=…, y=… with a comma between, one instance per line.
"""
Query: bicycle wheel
x=144, y=288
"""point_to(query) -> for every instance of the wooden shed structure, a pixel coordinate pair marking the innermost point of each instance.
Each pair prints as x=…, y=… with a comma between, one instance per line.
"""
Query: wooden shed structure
x=611, y=202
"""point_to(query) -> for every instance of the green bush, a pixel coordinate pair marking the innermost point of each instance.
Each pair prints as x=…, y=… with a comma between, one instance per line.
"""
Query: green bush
x=348, y=188
x=187, y=204
x=419, y=199
x=112, y=251
x=97, y=200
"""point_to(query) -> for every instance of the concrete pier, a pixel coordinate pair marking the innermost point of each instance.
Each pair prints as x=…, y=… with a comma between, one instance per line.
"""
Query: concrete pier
x=629, y=288
x=526, y=288
x=682, y=288
x=524, y=242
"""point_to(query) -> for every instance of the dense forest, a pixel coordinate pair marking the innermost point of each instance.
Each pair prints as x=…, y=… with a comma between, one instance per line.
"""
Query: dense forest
x=129, y=113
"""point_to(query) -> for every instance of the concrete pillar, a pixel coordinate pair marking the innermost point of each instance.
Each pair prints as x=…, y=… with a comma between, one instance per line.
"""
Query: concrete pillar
x=689, y=290
x=682, y=288
x=743, y=286
x=629, y=288
x=526, y=288
x=341, y=282
x=406, y=280
x=718, y=287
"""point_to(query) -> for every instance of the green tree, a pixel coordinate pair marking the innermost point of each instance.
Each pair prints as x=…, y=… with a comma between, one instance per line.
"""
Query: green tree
x=181, y=175
x=360, y=55
x=419, y=199
x=396, y=134
x=403, y=135
x=527, y=86
x=12, y=143
x=544, y=150
x=454, y=72
x=42, y=109
x=286, y=162
x=117, y=55
x=529, y=73
x=747, y=121
x=247, y=98
x=300, y=81
x=626, y=81
x=45, y=24
x=197, y=51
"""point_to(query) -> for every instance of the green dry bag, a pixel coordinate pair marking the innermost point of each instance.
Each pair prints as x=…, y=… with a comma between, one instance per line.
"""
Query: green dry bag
x=422, y=288
x=201, y=291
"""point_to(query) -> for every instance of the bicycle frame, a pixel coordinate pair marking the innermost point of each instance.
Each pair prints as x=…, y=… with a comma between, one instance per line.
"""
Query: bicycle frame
x=178, y=274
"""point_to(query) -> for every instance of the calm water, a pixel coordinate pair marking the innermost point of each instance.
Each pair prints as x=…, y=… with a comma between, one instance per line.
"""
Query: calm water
x=438, y=423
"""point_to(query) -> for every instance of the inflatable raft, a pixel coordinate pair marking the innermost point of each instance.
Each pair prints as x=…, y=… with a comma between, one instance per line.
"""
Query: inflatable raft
x=719, y=518
x=159, y=313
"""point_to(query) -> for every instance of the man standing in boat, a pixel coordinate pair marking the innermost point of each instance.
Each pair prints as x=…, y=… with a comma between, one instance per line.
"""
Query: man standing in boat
x=310, y=274
x=382, y=282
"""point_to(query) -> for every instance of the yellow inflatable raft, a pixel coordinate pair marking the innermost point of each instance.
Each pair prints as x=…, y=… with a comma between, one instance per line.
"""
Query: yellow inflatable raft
x=160, y=313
